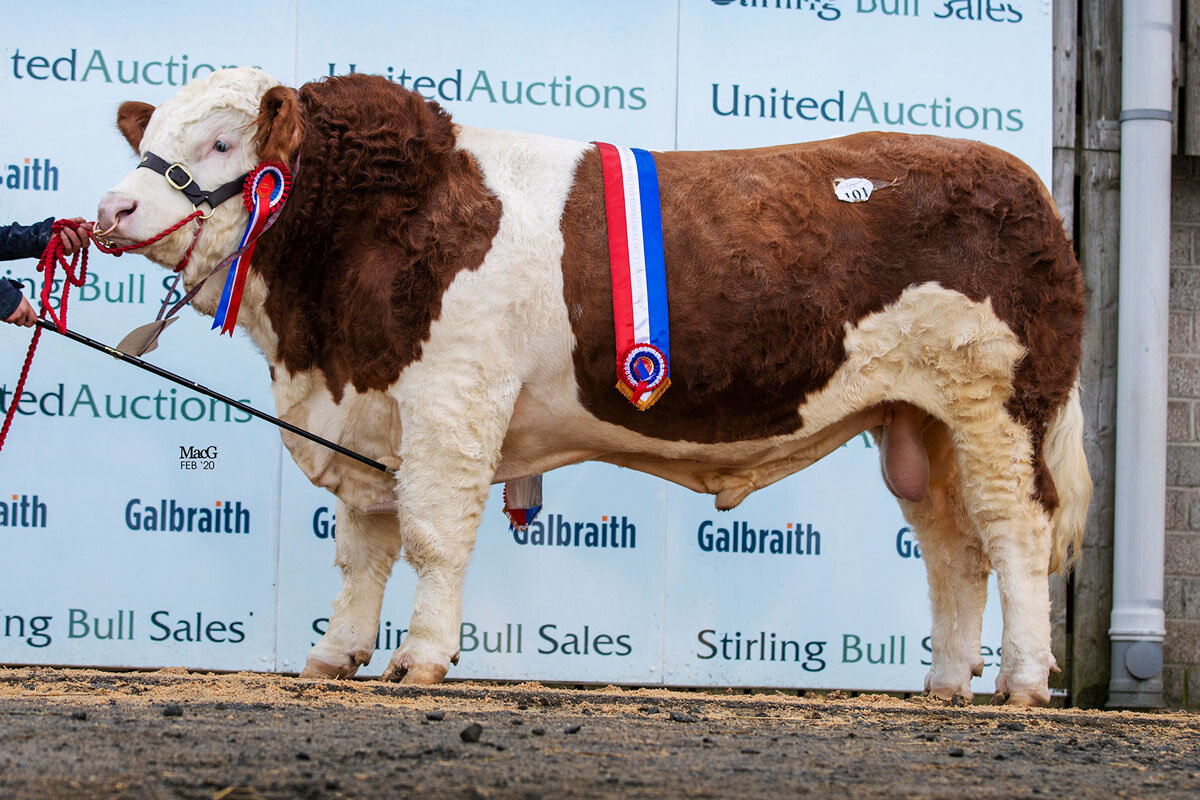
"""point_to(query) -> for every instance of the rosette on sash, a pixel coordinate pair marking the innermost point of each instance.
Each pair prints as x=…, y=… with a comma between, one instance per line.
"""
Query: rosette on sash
x=639, y=276
x=264, y=193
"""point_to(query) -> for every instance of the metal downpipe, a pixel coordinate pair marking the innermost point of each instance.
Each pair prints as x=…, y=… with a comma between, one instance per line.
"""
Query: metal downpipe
x=1138, y=623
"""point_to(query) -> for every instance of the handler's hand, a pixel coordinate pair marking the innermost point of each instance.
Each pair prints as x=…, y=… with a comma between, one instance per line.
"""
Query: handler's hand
x=24, y=315
x=73, y=238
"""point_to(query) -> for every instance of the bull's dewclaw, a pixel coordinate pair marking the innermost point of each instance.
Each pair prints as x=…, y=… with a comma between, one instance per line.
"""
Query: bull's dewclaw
x=438, y=298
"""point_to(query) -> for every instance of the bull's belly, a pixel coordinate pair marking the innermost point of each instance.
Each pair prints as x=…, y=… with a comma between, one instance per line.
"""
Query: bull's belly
x=932, y=349
x=730, y=470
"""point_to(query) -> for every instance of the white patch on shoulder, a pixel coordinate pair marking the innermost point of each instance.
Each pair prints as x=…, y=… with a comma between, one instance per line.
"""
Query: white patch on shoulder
x=510, y=312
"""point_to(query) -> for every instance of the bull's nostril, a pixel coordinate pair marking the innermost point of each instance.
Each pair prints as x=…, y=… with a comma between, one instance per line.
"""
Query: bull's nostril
x=115, y=209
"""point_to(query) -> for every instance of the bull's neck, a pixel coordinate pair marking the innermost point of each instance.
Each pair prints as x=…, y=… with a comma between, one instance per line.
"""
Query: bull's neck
x=251, y=317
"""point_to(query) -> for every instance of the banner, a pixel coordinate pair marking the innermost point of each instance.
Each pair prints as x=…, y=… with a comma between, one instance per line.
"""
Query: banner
x=146, y=525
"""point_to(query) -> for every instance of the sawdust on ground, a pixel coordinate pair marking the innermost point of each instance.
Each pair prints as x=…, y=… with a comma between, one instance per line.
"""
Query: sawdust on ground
x=173, y=733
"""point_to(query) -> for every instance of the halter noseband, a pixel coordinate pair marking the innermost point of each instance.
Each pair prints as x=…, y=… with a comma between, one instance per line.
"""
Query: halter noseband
x=180, y=177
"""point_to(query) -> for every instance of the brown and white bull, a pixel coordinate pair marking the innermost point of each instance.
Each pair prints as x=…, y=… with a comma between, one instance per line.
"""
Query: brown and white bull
x=438, y=298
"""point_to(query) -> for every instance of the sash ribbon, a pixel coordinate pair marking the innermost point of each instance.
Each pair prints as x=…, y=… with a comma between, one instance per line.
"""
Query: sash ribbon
x=639, y=275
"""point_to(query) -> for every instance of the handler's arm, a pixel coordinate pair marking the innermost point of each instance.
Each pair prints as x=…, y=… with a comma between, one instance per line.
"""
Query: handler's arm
x=25, y=241
x=11, y=302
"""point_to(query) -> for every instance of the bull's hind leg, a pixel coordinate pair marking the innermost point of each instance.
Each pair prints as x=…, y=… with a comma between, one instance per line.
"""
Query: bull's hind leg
x=995, y=455
x=450, y=451
x=957, y=571
x=367, y=547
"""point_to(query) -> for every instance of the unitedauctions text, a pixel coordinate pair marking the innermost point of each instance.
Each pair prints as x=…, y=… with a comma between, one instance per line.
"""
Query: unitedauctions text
x=943, y=113
x=84, y=402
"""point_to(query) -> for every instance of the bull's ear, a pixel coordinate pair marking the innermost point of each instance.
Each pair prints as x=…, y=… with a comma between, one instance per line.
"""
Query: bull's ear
x=132, y=119
x=280, y=125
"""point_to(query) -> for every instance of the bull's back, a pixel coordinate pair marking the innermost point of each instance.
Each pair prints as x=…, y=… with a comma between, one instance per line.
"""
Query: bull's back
x=765, y=267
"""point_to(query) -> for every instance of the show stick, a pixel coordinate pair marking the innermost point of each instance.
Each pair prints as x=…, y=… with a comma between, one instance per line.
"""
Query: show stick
x=171, y=376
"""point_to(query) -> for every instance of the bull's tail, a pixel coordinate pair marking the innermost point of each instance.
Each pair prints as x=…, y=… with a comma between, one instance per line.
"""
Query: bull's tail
x=1063, y=450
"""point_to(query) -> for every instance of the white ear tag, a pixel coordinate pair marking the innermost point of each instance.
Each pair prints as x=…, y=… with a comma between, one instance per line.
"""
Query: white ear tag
x=853, y=190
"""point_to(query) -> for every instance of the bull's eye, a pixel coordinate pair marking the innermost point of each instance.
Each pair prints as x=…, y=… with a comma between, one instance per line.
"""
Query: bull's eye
x=221, y=146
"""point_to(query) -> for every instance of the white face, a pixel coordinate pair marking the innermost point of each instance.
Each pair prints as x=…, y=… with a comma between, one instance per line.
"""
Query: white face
x=208, y=127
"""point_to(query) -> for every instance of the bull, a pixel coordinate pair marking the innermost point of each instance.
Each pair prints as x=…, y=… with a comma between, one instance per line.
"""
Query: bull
x=437, y=297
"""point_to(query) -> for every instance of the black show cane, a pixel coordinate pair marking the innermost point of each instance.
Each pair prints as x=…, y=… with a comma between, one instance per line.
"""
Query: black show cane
x=171, y=376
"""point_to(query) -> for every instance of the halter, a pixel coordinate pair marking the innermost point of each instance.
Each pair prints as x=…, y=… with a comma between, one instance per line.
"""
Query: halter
x=264, y=190
x=180, y=177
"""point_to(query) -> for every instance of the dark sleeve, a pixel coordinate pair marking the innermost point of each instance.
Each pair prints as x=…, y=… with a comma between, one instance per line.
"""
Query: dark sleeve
x=10, y=297
x=24, y=241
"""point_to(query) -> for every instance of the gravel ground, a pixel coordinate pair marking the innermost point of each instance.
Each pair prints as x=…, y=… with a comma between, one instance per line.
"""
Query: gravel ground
x=172, y=734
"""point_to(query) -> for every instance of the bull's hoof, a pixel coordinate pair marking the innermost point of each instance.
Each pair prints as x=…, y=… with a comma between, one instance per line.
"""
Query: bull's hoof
x=954, y=695
x=417, y=674
x=1022, y=698
x=424, y=674
x=319, y=668
x=316, y=668
x=943, y=686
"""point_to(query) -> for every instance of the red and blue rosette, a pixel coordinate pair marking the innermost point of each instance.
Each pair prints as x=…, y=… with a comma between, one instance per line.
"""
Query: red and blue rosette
x=522, y=501
x=264, y=193
x=643, y=376
x=639, y=275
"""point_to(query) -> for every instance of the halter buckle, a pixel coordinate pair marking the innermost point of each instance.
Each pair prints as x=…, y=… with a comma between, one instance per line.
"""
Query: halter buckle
x=175, y=184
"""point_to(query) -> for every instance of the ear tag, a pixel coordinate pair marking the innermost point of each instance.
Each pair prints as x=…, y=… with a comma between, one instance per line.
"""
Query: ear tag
x=144, y=338
x=853, y=190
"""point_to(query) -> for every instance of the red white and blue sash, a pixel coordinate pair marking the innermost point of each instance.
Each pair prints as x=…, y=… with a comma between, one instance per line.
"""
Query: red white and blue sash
x=639, y=277
x=639, y=289
x=265, y=191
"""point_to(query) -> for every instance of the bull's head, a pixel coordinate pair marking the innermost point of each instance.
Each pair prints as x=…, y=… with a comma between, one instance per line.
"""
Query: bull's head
x=206, y=137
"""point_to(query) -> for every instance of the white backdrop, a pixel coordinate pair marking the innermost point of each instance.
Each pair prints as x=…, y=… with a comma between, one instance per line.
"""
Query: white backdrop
x=88, y=575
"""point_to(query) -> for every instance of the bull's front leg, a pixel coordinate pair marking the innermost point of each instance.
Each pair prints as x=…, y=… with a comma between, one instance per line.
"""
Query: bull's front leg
x=452, y=434
x=367, y=547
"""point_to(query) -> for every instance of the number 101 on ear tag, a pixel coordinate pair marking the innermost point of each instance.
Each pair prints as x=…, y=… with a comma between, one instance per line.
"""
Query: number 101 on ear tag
x=853, y=190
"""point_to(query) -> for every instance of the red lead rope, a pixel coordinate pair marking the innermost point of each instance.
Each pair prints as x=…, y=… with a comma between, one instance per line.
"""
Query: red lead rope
x=116, y=251
x=52, y=258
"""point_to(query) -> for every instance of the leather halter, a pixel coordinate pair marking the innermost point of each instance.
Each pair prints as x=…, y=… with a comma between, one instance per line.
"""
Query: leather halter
x=180, y=177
